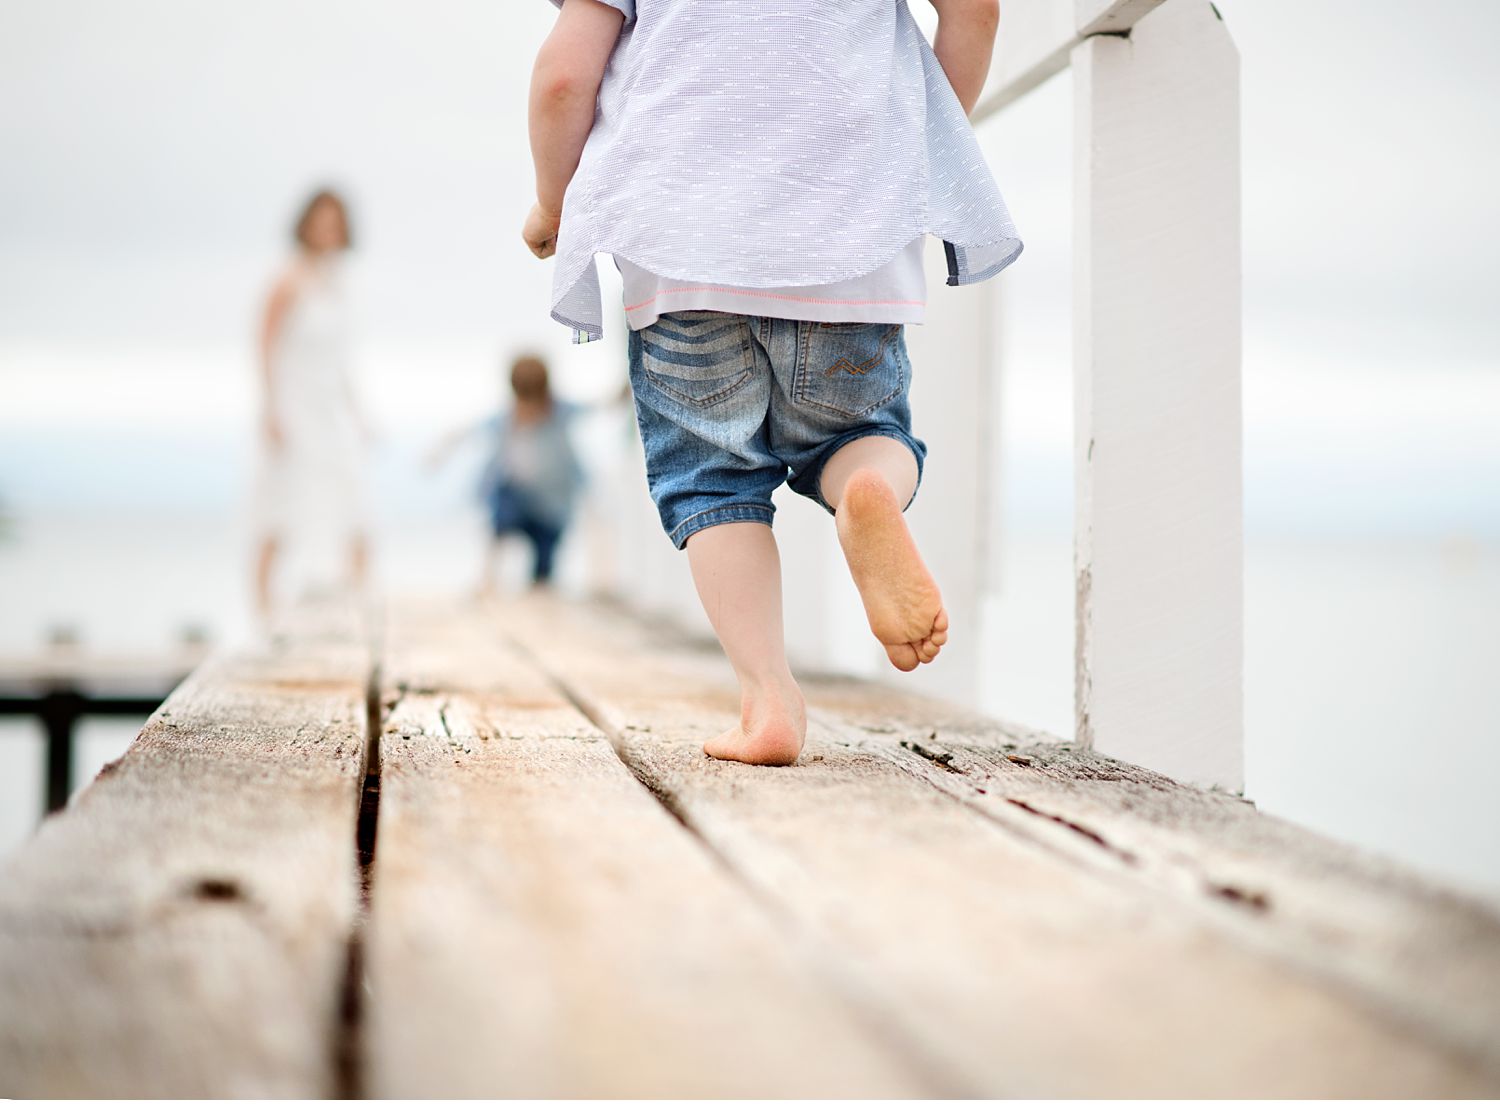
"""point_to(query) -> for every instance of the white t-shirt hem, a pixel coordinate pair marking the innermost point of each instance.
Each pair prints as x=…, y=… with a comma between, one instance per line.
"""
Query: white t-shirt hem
x=895, y=294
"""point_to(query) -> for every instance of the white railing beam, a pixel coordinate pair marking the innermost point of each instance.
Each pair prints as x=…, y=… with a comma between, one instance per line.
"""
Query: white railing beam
x=1110, y=17
x=1037, y=38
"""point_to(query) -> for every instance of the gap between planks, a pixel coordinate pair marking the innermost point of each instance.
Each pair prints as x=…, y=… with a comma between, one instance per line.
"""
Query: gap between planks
x=873, y=1010
x=1422, y=989
x=182, y=929
x=509, y=834
x=350, y=1053
x=1055, y=833
x=1425, y=958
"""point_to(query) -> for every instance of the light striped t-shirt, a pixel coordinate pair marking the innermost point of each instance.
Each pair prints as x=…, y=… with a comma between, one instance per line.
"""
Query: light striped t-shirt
x=769, y=144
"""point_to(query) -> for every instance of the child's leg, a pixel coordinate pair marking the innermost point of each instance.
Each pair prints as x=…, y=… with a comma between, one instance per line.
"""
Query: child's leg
x=265, y=568
x=886, y=455
x=868, y=482
x=359, y=560
x=737, y=570
x=544, y=539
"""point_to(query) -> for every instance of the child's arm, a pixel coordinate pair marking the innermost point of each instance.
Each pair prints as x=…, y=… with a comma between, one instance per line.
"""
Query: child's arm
x=564, y=86
x=964, y=44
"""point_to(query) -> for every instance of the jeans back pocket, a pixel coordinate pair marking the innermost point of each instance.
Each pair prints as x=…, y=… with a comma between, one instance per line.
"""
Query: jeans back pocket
x=852, y=368
x=698, y=357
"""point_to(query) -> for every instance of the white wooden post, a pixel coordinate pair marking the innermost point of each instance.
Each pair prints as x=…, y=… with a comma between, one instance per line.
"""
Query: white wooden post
x=1157, y=395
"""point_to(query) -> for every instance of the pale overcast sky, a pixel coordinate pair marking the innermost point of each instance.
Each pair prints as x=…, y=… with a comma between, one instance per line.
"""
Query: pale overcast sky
x=177, y=135
x=151, y=155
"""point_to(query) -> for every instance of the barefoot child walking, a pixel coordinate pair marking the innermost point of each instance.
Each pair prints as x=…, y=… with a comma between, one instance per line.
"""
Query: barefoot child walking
x=764, y=175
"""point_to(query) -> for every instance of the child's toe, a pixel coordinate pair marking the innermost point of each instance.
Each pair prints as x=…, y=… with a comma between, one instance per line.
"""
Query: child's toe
x=902, y=656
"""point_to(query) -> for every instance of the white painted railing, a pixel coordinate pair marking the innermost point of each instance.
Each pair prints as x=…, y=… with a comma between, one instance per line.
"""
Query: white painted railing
x=1157, y=446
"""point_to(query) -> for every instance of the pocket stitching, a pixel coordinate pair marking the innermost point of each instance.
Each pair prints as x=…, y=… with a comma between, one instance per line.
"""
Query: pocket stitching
x=885, y=342
x=658, y=379
x=707, y=400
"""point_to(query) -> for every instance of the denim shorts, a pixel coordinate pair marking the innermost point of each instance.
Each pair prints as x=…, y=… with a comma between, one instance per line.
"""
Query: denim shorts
x=731, y=406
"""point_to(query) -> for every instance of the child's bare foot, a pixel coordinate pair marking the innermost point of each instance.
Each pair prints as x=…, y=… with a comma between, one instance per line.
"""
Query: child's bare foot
x=770, y=731
x=901, y=599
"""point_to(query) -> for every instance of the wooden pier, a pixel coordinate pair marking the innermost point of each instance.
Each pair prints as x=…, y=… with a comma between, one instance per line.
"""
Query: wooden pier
x=454, y=852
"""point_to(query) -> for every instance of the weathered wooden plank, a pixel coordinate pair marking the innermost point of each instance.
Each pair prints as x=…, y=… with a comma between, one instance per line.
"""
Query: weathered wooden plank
x=541, y=926
x=1424, y=955
x=181, y=930
x=1157, y=493
x=1024, y=971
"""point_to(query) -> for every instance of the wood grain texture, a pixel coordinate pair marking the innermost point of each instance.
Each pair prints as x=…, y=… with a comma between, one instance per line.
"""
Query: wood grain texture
x=1018, y=967
x=542, y=927
x=181, y=930
x=569, y=899
x=1425, y=956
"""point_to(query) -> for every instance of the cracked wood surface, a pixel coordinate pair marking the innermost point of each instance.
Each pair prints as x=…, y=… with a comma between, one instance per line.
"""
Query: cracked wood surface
x=181, y=929
x=567, y=898
x=1426, y=956
x=540, y=926
x=1001, y=947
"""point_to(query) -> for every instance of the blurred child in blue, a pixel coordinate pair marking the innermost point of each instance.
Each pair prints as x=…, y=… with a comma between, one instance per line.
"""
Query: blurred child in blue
x=532, y=475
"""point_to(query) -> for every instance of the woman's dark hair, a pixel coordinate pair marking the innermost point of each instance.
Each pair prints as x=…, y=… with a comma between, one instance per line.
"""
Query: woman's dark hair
x=322, y=197
x=528, y=379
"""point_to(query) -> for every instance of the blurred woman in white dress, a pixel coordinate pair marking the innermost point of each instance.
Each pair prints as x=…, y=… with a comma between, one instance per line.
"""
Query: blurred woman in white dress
x=310, y=481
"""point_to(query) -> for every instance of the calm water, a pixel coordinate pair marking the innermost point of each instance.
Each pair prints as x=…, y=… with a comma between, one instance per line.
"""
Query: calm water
x=1369, y=663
